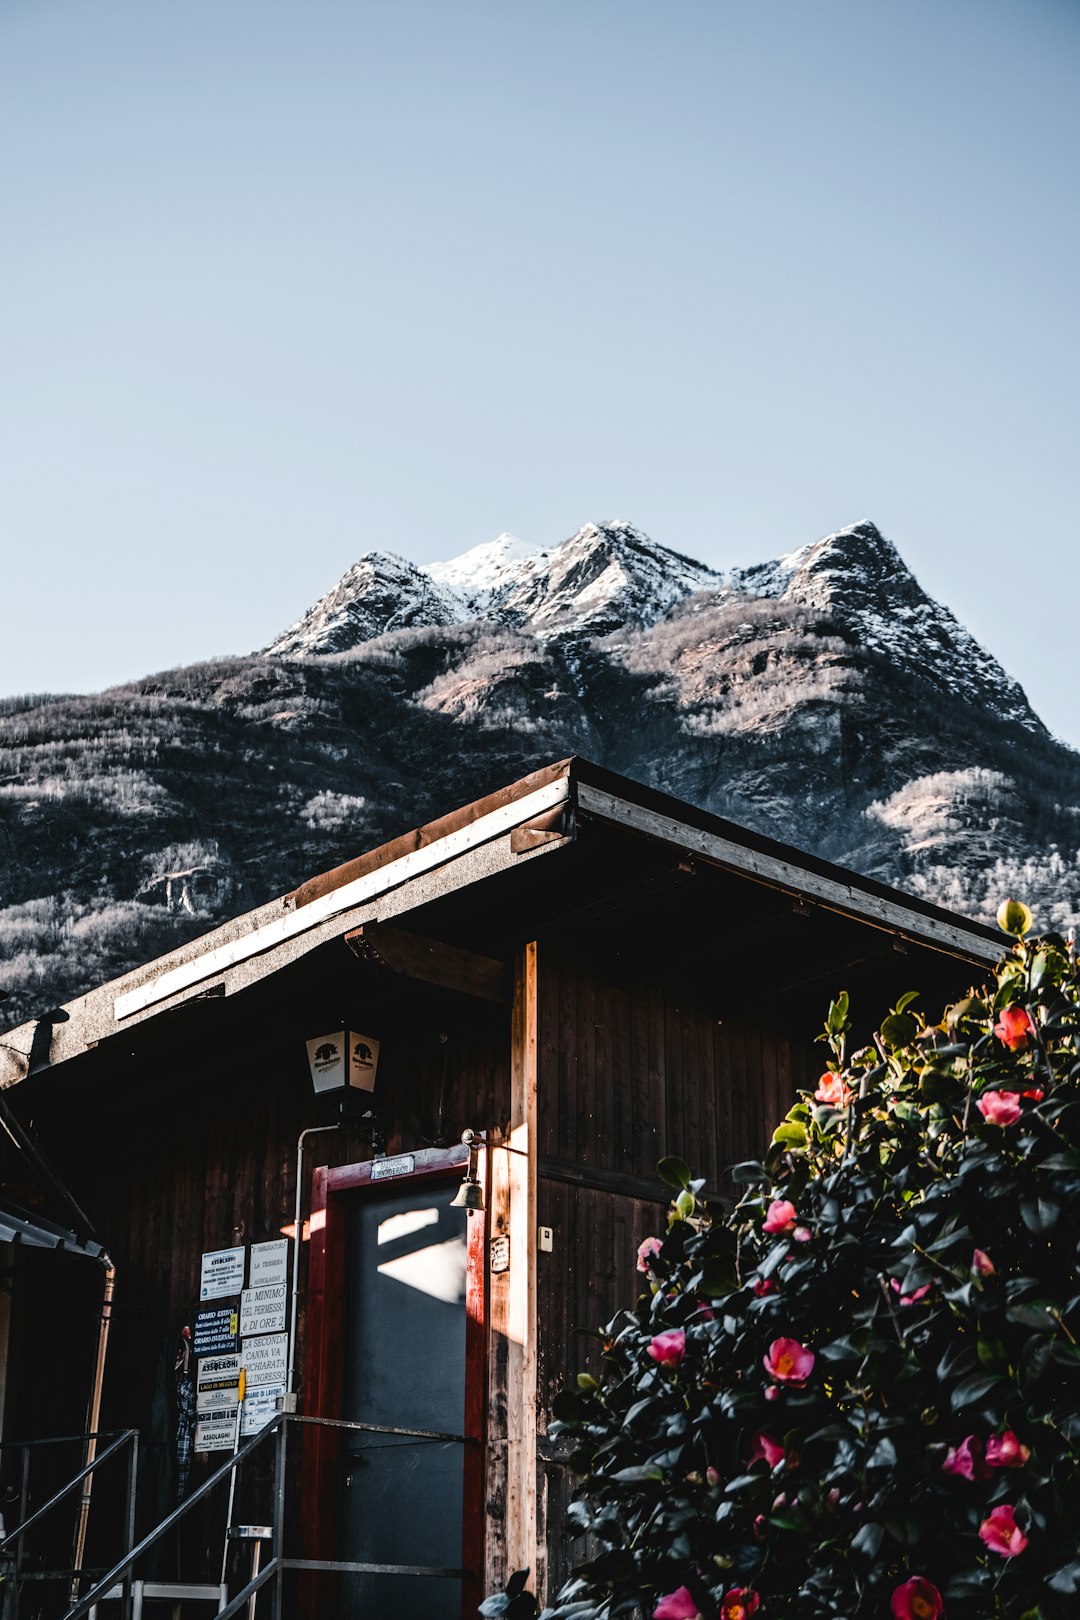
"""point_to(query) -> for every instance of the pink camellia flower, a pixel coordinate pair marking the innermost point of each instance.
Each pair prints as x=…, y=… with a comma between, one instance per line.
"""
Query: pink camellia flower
x=677, y=1605
x=917, y=1599
x=763, y=1286
x=646, y=1250
x=772, y=1393
x=1001, y=1533
x=999, y=1107
x=712, y=1475
x=668, y=1349
x=982, y=1265
x=739, y=1604
x=1006, y=1451
x=780, y=1216
x=760, y=1525
x=765, y=1446
x=966, y=1459
x=915, y=1295
x=832, y=1091
x=789, y=1362
x=1014, y=1028
x=802, y=1234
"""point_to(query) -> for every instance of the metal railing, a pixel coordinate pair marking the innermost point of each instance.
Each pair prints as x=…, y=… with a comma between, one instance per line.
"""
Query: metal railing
x=13, y=1546
x=273, y=1572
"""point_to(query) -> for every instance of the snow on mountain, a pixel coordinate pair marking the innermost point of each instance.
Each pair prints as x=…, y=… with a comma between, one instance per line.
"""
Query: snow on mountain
x=481, y=576
x=859, y=579
x=379, y=593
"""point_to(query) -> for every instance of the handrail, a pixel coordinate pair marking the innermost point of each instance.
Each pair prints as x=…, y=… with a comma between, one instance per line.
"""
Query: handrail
x=278, y=1563
x=39, y=1513
x=95, y=1594
x=63, y=1439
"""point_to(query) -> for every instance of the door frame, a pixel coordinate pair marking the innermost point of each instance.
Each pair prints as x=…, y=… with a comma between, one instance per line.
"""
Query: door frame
x=333, y=1190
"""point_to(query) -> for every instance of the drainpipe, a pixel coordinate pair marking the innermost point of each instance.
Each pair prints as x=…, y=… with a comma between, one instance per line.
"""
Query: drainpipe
x=93, y=1418
x=298, y=1249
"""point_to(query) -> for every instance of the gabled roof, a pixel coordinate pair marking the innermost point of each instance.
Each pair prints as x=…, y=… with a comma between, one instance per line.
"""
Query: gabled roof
x=532, y=819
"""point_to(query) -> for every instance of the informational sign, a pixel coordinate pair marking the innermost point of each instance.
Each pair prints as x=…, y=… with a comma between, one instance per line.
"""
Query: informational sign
x=222, y=1273
x=266, y=1360
x=216, y=1431
x=218, y=1385
x=216, y=1330
x=383, y=1169
x=343, y=1058
x=499, y=1250
x=269, y=1264
x=262, y=1310
x=260, y=1407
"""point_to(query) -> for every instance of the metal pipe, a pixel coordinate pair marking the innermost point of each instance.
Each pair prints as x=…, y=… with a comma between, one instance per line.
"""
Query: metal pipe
x=93, y=1414
x=298, y=1246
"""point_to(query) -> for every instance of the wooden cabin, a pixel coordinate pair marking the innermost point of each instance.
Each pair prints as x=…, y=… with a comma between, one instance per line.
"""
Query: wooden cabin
x=586, y=974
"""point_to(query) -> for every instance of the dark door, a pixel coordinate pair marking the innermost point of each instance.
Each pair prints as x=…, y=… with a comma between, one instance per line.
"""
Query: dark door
x=404, y=1369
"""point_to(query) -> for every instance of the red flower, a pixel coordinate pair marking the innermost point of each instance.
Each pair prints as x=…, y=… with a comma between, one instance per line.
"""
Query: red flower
x=917, y=1599
x=677, y=1605
x=668, y=1349
x=966, y=1459
x=1014, y=1028
x=999, y=1107
x=1001, y=1533
x=912, y=1298
x=982, y=1265
x=763, y=1286
x=1006, y=1451
x=765, y=1446
x=832, y=1091
x=646, y=1250
x=739, y=1604
x=780, y=1216
x=789, y=1362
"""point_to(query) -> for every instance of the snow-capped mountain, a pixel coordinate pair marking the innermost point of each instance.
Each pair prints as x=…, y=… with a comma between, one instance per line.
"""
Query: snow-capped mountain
x=606, y=575
x=822, y=698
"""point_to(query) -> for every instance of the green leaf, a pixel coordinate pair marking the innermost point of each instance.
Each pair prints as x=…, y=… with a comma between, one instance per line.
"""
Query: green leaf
x=673, y=1172
x=790, y=1135
x=899, y=1029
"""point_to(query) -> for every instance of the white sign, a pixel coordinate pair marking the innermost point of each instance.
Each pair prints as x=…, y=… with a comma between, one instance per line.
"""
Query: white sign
x=266, y=1359
x=383, y=1169
x=262, y=1310
x=260, y=1408
x=269, y=1264
x=216, y=1433
x=218, y=1387
x=222, y=1273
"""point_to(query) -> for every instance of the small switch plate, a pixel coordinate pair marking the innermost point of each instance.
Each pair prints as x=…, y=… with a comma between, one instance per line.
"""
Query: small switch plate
x=547, y=1239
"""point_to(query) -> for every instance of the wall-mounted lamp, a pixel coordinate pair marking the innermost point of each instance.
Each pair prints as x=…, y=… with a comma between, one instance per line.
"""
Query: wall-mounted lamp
x=470, y=1195
x=343, y=1059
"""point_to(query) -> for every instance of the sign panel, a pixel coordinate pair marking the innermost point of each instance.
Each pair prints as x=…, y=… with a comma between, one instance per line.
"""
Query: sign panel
x=269, y=1264
x=218, y=1386
x=403, y=1165
x=216, y=1330
x=222, y=1273
x=260, y=1407
x=266, y=1360
x=216, y=1432
x=262, y=1310
x=343, y=1058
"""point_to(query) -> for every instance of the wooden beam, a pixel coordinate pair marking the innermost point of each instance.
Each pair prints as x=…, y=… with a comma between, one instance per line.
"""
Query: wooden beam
x=525, y=1547
x=432, y=961
x=614, y=1182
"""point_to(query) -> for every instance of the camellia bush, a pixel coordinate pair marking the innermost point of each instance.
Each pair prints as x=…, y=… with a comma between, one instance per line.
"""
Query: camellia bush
x=859, y=1394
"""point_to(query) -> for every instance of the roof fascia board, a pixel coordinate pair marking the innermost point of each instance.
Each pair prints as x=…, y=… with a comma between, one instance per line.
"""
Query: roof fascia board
x=781, y=874
x=212, y=963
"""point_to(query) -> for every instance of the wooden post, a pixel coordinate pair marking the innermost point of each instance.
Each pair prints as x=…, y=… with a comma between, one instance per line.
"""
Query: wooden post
x=523, y=1549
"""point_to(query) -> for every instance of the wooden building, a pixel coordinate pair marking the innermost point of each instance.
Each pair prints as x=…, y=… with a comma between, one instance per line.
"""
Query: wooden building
x=586, y=973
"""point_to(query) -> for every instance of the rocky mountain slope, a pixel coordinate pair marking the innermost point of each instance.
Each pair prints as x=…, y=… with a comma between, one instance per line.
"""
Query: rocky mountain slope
x=822, y=698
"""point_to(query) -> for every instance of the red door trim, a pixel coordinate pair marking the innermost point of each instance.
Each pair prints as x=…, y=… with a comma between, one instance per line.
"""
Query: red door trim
x=324, y=1335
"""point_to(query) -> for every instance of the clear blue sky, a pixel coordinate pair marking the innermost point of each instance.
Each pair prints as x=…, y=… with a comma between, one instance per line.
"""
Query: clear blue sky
x=284, y=280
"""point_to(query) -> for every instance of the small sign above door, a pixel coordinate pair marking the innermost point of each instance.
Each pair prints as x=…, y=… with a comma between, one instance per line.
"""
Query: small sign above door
x=384, y=1169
